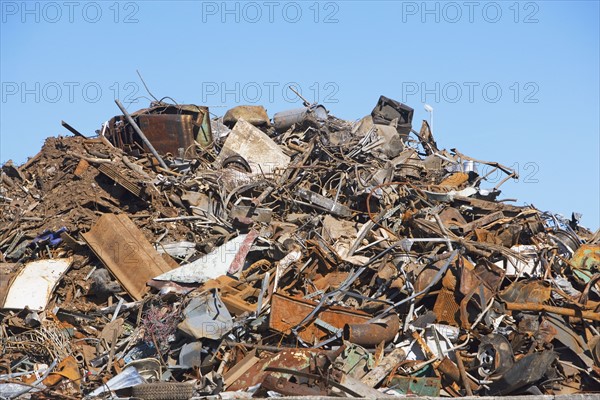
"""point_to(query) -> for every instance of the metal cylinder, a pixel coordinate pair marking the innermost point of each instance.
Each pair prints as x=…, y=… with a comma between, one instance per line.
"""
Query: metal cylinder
x=371, y=334
x=283, y=120
x=469, y=166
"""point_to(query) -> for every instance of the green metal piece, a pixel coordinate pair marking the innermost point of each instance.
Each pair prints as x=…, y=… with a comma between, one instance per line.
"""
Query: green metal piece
x=355, y=361
x=411, y=385
x=585, y=260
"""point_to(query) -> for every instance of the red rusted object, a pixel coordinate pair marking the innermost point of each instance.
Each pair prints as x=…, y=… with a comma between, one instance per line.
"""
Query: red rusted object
x=370, y=335
x=240, y=257
x=288, y=312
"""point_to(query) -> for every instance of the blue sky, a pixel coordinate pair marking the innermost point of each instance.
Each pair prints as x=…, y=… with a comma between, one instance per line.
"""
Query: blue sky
x=513, y=82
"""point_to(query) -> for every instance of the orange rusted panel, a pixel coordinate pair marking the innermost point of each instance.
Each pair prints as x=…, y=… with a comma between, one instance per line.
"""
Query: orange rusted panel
x=455, y=180
x=287, y=312
x=126, y=252
x=447, y=308
x=169, y=132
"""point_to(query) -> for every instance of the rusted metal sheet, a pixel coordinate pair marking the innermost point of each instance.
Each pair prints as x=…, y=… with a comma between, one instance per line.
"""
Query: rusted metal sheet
x=167, y=127
x=287, y=388
x=288, y=312
x=297, y=359
x=411, y=385
x=82, y=166
x=449, y=370
x=530, y=291
x=132, y=187
x=231, y=376
x=240, y=258
x=488, y=277
x=126, y=252
x=447, y=308
x=7, y=273
x=452, y=218
x=169, y=132
x=488, y=219
x=455, y=180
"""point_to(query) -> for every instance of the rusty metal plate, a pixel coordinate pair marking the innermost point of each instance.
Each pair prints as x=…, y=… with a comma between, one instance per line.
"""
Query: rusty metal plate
x=447, y=308
x=287, y=312
x=295, y=359
x=452, y=218
x=126, y=252
x=530, y=291
x=455, y=180
x=121, y=180
x=169, y=132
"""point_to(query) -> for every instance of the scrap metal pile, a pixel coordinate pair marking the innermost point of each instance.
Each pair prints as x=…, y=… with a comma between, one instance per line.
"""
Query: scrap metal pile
x=175, y=255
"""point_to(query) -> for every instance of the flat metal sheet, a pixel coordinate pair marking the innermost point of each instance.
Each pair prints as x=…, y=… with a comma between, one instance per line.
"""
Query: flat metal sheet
x=256, y=147
x=126, y=252
x=33, y=285
x=209, y=266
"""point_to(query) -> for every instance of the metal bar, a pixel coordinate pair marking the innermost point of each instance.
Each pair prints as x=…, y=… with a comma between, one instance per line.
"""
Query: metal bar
x=569, y=312
x=72, y=130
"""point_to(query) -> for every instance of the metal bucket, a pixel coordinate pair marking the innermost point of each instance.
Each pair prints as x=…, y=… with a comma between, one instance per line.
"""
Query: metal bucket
x=469, y=166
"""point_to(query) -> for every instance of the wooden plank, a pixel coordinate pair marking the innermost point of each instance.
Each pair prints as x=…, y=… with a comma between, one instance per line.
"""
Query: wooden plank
x=126, y=252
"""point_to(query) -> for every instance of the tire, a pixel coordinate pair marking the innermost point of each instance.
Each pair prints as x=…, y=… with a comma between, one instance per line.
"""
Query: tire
x=163, y=391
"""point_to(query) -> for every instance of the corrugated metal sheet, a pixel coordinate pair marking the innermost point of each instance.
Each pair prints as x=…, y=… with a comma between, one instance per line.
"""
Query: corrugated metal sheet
x=126, y=252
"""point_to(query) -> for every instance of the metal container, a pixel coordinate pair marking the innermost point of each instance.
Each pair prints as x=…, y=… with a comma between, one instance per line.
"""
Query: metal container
x=285, y=119
x=469, y=166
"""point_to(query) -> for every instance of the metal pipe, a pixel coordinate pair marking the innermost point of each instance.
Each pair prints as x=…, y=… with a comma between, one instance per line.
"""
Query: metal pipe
x=568, y=312
x=372, y=334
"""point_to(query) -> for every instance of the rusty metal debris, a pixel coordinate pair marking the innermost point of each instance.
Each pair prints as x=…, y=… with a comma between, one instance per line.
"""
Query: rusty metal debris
x=174, y=255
